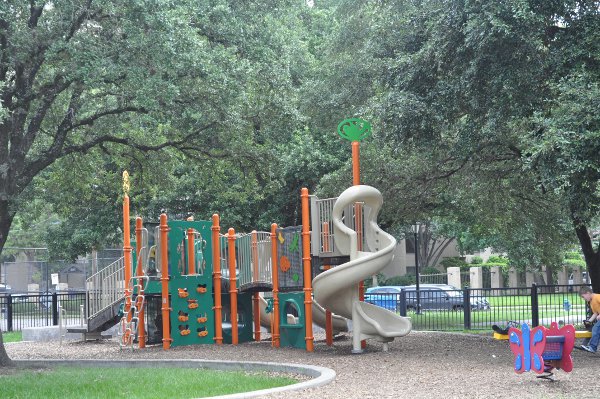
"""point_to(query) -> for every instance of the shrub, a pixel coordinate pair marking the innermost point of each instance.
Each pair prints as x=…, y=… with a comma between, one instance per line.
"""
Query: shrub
x=408, y=279
x=573, y=255
x=574, y=262
x=369, y=281
x=497, y=259
x=454, y=262
x=430, y=270
x=488, y=265
x=476, y=260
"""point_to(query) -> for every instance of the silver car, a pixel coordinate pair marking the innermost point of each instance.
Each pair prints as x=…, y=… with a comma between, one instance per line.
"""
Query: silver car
x=441, y=297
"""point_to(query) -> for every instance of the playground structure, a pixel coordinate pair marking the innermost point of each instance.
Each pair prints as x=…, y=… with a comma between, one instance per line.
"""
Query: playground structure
x=541, y=349
x=193, y=285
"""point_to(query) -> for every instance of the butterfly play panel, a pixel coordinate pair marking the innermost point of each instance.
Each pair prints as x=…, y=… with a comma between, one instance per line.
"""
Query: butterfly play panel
x=541, y=349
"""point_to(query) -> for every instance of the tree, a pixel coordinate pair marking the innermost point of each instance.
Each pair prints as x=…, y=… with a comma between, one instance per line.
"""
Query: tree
x=79, y=76
x=564, y=148
x=457, y=91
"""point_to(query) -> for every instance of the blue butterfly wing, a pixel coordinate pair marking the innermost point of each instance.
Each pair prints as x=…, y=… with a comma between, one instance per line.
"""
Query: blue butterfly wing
x=517, y=346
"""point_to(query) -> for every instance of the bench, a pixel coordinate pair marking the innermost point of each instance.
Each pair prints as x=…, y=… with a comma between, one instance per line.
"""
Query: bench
x=578, y=334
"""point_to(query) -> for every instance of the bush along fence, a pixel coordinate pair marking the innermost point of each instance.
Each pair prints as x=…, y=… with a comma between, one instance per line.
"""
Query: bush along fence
x=18, y=311
x=453, y=310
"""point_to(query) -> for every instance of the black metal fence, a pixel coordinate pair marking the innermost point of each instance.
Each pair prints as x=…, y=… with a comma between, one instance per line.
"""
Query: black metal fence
x=18, y=311
x=480, y=309
x=453, y=310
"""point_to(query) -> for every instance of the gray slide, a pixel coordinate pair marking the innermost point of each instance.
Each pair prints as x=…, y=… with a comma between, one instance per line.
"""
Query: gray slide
x=335, y=289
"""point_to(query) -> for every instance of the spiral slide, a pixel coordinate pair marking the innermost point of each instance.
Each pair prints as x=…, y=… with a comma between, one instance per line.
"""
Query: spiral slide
x=336, y=290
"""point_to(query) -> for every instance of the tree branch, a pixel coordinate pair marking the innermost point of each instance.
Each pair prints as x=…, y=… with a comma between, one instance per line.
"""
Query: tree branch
x=35, y=13
x=63, y=128
x=436, y=253
x=36, y=166
x=3, y=49
x=23, y=146
x=81, y=18
x=83, y=148
x=89, y=121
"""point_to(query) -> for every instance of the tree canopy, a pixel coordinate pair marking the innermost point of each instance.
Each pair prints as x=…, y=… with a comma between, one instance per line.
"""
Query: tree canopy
x=485, y=115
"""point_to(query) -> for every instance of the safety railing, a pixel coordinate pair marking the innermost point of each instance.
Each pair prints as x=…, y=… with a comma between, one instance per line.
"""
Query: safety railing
x=105, y=288
x=252, y=259
x=322, y=233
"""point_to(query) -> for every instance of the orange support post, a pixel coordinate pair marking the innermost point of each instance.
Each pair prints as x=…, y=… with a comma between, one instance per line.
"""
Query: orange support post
x=140, y=272
x=232, y=285
x=164, y=279
x=275, y=320
x=355, y=163
x=217, y=278
x=307, y=272
x=328, y=315
x=357, y=214
x=190, y=251
x=127, y=255
x=256, y=308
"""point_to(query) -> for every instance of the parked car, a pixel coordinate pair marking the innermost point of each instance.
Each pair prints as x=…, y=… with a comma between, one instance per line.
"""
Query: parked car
x=5, y=289
x=387, y=297
x=45, y=301
x=441, y=297
x=432, y=297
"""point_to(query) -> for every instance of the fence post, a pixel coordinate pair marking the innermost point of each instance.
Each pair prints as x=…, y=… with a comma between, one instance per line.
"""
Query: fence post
x=54, y=309
x=403, y=303
x=535, y=310
x=9, y=313
x=467, y=307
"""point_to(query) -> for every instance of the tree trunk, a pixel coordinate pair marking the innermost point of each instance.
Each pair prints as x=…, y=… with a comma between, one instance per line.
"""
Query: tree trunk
x=4, y=359
x=6, y=218
x=591, y=256
x=593, y=267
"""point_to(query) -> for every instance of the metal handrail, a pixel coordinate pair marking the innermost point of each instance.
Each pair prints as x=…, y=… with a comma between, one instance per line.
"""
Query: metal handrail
x=105, y=288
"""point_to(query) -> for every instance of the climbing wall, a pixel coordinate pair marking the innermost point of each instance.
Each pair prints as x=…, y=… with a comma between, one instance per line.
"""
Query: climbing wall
x=289, y=250
x=191, y=294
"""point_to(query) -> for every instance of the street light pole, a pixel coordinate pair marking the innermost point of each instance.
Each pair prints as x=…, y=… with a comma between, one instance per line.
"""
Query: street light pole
x=416, y=231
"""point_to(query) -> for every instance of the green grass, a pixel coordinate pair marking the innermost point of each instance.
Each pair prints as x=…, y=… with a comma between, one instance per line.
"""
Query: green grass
x=131, y=383
x=503, y=310
x=15, y=336
x=525, y=300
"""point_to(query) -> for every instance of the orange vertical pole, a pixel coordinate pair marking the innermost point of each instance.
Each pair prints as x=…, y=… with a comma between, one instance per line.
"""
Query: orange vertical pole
x=217, y=278
x=164, y=279
x=358, y=214
x=307, y=272
x=355, y=163
x=232, y=285
x=275, y=270
x=328, y=315
x=127, y=255
x=256, y=307
x=190, y=251
x=140, y=272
